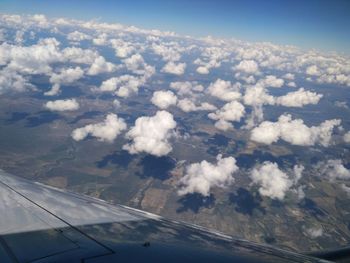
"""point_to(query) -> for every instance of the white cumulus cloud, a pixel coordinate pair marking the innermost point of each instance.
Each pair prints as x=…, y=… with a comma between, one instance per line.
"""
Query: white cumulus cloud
x=224, y=90
x=12, y=81
x=35, y=59
x=174, y=68
x=271, y=81
x=247, y=66
x=101, y=40
x=232, y=111
x=201, y=177
x=294, y=131
x=188, y=105
x=314, y=232
x=151, y=134
x=333, y=169
x=122, y=48
x=65, y=76
x=299, y=98
x=186, y=87
x=77, y=36
x=62, y=105
x=288, y=76
x=122, y=86
x=273, y=182
x=107, y=131
x=163, y=99
x=100, y=65
x=312, y=70
x=202, y=70
x=347, y=137
x=257, y=95
x=137, y=65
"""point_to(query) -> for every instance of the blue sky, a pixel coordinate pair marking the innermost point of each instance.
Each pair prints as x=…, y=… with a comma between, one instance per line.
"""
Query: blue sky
x=317, y=24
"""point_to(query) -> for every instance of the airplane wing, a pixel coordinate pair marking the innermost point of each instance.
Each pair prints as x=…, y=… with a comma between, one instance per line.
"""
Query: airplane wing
x=40, y=224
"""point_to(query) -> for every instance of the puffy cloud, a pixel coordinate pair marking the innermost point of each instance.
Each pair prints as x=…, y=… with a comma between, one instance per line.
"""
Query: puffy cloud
x=134, y=62
x=341, y=104
x=62, y=105
x=116, y=103
x=211, y=57
x=347, y=137
x=151, y=134
x=111, y=84
x=101, y=40
x=288, y=76
x=41, y=20
x=168, y=53
x=256, y=116
x=56, y=24
x=80, y=56
x=299, y=98
x=312, y=70
x=266, y=132
x=224, y=90
x=257, y=95
x=201, y=177
x=248, y=79
x=232, y=111
x=333, y=169
x=65, y=76
x=35, y=59
x=173, y=68
x=249, y=53
x=19, y=36
x=273, y=182
x=223, y=125
x=55, y=90
x=291, y=84
x=331, y=68
x=186, y=87
x=12, y=81
x=294, y=131
x=77, y=36
x=298, y=170
x=300, y=192
x=152, y=38
x=122, y=86
x=163, y=99
x=68, y=75
x=271, y=81
x=100, y=65
x=122, y=48
x=202, y=70
x=314, y=232
x=247, y=66
x=106, y=131
x=341, y=79
x=137, y=65
x=188, y=105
